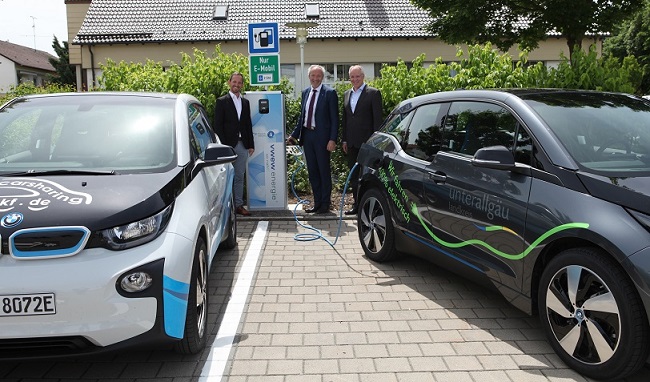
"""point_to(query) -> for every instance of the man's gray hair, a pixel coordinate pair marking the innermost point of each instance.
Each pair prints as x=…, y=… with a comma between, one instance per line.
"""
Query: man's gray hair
x=316, y=67
x=356, y=67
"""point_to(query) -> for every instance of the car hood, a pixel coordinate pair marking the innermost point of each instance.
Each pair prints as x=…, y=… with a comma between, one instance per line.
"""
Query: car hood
x=630, y=192
x=93, y=201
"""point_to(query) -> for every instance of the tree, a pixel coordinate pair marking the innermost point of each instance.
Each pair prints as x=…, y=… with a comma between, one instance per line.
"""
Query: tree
x=632, y=38
x=523, y=22
x=65, y=73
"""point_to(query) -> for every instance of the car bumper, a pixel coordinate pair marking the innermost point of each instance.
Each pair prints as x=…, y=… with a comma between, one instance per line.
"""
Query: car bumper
x=88, y=301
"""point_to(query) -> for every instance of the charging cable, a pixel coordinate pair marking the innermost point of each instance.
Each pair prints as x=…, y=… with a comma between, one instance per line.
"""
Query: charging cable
x=298, y=154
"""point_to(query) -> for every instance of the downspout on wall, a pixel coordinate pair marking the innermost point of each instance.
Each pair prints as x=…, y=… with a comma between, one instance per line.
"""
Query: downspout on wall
x=92, y=66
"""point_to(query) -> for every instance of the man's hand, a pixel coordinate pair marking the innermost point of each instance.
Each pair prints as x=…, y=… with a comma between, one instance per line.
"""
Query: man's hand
x=344, y=146
x=291, y=140
x=331, y=146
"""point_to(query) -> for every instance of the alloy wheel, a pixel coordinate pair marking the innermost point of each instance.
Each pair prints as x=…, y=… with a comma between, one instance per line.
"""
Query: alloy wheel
x=583, y=314
x=373, y=225
x=201, y=294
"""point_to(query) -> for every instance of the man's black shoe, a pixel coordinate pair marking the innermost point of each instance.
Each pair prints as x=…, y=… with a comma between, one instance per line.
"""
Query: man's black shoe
x=312, y=210
x=323, y=210
x=352, y=211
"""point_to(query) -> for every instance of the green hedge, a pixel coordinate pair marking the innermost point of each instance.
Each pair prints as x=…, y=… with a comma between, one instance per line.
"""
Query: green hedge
x=479, y=67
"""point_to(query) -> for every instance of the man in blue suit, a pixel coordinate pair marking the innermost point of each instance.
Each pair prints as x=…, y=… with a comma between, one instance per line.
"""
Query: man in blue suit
x=316, y=131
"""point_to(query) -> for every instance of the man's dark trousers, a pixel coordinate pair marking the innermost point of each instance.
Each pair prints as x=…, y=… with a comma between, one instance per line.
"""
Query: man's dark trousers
x=319, y=169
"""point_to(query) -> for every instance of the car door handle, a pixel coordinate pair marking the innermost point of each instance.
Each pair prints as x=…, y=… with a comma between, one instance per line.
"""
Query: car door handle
x=438, y=177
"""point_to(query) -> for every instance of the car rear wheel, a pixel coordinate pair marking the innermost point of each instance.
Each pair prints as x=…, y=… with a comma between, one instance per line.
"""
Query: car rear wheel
x=376, y=232
x=592, y=315
x=231, y=230
x=195, y=333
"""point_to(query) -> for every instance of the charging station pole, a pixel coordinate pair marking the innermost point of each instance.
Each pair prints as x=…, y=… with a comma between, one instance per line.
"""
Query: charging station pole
x=266, y=175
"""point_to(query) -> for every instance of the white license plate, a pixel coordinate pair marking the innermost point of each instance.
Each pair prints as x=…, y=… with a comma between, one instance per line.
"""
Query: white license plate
x=27, y=304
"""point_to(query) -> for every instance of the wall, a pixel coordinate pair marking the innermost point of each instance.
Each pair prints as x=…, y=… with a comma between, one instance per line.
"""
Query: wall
x=8, y=76
x=318, y=51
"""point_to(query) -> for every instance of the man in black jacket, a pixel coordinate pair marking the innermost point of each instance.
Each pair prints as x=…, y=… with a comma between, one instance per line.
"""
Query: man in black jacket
x=362, y=115
x=233, y=125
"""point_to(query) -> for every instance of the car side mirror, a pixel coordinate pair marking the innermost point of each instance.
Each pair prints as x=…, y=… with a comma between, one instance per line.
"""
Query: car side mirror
x=496, y=157
x=215, y=153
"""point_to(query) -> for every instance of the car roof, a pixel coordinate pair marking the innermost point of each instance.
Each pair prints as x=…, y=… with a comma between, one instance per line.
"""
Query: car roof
x=494, y=94
x=104, y=93
x=187, y=98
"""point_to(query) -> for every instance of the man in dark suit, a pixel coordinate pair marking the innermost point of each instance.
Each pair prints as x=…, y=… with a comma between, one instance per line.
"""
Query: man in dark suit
x=317, y=131
x=233, y=125
x=362, y=115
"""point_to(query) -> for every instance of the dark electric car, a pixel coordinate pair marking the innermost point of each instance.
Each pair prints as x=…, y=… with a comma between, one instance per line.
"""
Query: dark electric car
x=541, y=193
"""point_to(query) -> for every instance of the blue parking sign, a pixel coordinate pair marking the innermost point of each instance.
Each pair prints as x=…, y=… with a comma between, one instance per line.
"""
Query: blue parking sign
x=263, y=38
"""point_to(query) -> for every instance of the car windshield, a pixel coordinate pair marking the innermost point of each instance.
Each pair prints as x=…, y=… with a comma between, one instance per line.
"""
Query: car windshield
x=607, y=134
x=101, y=133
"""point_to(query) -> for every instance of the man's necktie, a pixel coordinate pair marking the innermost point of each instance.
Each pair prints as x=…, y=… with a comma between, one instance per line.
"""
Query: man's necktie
x=310, y=110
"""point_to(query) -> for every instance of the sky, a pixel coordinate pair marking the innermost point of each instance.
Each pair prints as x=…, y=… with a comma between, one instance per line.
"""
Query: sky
x=24, y=22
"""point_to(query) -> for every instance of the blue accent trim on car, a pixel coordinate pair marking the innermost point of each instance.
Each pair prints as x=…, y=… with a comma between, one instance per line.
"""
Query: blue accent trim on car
x=175, y=295
x=61, y=252
x=428, y=244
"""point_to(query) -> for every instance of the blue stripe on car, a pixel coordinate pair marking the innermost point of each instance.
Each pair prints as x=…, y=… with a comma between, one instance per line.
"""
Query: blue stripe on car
x=175, y=295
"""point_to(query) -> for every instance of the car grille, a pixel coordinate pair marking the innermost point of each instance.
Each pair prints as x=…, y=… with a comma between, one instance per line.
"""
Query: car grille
x=42, y=243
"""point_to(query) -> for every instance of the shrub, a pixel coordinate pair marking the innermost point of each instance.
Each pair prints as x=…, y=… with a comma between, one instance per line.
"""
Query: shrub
x=27, y=88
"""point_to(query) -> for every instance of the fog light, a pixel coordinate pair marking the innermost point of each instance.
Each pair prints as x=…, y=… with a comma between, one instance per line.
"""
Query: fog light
x=136, y=282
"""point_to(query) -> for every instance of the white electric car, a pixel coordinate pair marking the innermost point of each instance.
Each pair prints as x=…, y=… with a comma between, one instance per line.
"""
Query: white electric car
x=112, y=207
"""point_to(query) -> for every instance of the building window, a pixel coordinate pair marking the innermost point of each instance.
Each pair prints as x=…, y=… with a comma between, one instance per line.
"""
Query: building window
x=343, y=72
x=289, y=71
x=330, y=76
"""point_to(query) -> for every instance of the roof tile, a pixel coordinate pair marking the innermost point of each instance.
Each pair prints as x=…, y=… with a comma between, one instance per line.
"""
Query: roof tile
x=191, y=20
x=26, y=57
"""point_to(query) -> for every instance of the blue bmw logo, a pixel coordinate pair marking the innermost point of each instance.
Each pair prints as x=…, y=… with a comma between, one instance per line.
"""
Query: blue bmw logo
x=270, y=134
x=11, y=220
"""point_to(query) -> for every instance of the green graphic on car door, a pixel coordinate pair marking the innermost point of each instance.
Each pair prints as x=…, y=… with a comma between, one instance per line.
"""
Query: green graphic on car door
x=396, y=195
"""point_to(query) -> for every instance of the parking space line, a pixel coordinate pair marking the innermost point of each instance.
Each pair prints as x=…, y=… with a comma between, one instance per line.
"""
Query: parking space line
x=218, y=358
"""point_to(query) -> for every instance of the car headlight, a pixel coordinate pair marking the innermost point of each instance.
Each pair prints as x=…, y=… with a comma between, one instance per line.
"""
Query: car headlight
x=139, y=232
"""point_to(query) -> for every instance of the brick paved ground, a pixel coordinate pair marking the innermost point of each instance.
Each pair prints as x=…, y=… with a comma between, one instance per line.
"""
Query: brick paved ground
x=319, y=313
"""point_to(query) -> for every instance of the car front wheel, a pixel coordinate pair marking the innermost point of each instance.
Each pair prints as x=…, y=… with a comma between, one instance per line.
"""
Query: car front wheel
x=376, y=232
x=592, y=315
x=195, y=333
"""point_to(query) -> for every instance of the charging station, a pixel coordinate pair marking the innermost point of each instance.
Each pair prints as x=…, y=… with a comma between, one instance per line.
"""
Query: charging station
x=266, y=172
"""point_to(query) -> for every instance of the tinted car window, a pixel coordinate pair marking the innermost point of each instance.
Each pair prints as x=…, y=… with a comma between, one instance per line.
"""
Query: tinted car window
x=397, y=124
x=200, y=132
x=524, y=147
x=605, y=133
x=470, y=126
x=423, y=137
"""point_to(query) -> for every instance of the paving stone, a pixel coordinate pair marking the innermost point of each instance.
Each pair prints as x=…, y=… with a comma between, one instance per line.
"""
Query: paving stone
x=324, y=314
